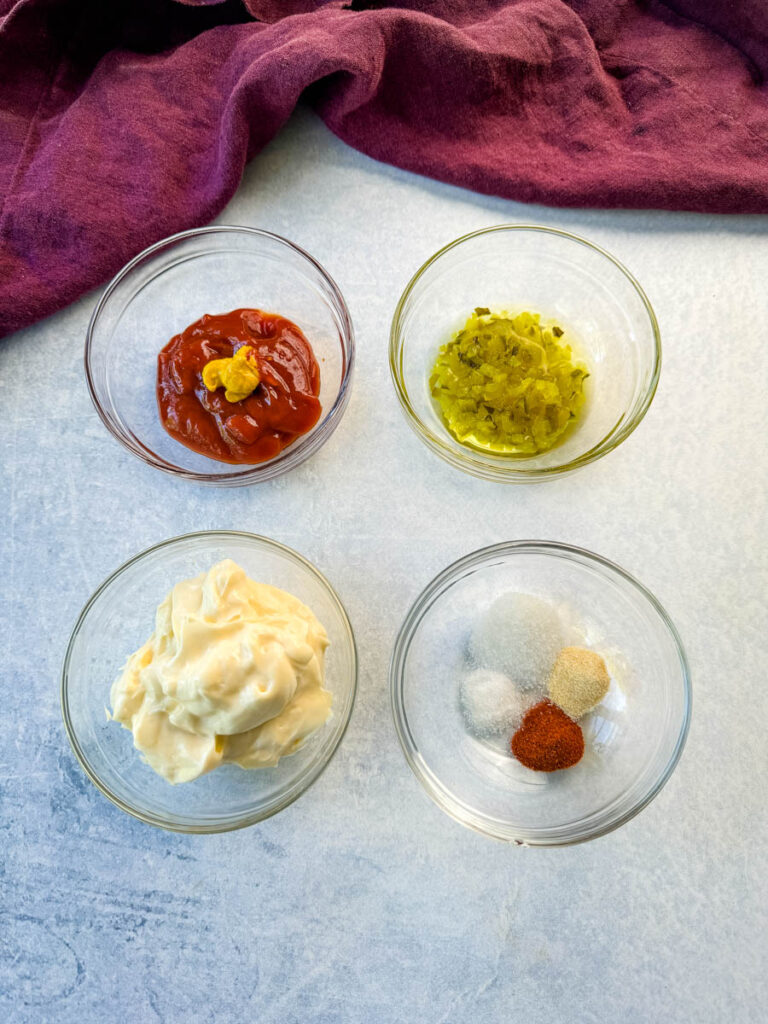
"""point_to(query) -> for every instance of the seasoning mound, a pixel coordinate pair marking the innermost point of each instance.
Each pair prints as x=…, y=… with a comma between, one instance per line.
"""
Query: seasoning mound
x=548, y=740
x=508, y=384
x=490, y=703
x=579, y=681
x=520, y=635
x=522, y=681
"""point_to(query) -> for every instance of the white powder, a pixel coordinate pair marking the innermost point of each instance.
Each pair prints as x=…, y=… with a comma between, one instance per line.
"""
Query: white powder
x=519, y=636
x=491, y=703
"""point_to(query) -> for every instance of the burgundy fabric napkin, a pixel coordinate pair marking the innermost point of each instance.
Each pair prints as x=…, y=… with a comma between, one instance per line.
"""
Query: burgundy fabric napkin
x=124, y=121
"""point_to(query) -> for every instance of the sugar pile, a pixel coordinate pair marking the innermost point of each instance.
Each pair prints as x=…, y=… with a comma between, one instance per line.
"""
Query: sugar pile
x=490, y=703
x=519, y=636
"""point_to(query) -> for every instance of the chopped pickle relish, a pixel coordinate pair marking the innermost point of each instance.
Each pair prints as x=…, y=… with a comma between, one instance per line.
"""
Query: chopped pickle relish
x=508, y=384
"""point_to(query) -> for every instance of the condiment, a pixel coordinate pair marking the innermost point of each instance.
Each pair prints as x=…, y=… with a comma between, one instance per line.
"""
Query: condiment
x=548, y=740
x=579, y=681
x=232, y=673
x=241, y=424
x=238, y=374
x=490, y=703
x=508, y=384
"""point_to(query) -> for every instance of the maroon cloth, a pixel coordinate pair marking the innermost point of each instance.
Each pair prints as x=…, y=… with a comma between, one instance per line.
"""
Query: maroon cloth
x=122, y=121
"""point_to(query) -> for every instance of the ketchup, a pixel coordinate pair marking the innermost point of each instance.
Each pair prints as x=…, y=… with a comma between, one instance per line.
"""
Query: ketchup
x=284, y=405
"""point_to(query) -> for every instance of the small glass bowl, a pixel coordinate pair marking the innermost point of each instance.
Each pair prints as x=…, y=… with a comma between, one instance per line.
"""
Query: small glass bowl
x=119, y=618
x=516, y=267
x=175, y=282
x=633, y=739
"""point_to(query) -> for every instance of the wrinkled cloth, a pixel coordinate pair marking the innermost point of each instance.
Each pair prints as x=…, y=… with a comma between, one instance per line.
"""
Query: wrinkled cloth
x=123, y=121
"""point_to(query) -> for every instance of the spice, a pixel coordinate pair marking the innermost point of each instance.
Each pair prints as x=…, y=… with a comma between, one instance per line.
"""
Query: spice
x=579, y=681
x=490, y=703
x=548, y=740
x=519, y=635
x=508, y=384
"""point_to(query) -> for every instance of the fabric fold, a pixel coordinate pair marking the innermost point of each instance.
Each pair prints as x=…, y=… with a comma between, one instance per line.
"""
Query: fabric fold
x=119, y=128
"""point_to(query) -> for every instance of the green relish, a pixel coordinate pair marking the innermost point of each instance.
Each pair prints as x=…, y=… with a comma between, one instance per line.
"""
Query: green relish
x=508, y=384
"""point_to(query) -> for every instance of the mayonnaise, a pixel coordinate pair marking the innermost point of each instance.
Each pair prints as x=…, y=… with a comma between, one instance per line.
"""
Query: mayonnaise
x=233, y=672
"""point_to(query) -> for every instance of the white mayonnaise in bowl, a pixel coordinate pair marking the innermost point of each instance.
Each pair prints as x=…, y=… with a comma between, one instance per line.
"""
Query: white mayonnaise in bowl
x=119, y=618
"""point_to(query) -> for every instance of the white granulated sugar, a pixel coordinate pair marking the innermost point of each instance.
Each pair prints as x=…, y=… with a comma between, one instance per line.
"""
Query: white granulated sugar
x=491, y=703
x=520, y=636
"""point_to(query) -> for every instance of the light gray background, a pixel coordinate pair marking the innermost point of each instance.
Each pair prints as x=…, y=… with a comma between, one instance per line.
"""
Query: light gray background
x=362, y=902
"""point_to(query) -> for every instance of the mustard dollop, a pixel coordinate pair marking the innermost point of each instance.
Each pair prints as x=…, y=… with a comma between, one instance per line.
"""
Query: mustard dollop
x=239, y=374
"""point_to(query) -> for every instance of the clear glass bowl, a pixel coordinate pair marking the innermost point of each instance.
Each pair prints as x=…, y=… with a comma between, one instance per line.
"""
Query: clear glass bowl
x=517, y=267
x=633, y=740
x=172, y=284
x=119, y=618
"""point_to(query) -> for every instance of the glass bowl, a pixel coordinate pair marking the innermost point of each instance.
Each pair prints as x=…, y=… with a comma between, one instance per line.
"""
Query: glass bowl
x=516, y=267
x=633, y=739
x=119, y=618
x=175, y=282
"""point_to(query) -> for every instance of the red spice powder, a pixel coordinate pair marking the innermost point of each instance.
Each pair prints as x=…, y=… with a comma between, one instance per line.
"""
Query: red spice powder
x=548, y=740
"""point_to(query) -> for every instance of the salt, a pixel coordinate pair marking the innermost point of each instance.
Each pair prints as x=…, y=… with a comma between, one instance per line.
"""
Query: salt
x=519, y=636
x=491, y=703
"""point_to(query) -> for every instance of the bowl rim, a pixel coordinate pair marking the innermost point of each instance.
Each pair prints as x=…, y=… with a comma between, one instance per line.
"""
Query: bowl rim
x=291, y=456
x=306, y=781
x=557, y=835
x=501, y=469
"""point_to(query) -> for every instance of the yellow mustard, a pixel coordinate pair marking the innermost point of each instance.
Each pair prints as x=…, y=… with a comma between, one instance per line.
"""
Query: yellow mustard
x=239, y=374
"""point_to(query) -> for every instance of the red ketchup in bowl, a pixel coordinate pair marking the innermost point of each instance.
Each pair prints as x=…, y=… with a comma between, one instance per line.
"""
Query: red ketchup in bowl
x=283, y=406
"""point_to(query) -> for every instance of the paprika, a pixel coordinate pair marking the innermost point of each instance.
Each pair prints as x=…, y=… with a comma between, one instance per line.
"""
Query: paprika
x=548, y=740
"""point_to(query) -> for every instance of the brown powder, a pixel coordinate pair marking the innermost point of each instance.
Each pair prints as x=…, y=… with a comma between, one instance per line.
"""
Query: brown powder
x=579, y=681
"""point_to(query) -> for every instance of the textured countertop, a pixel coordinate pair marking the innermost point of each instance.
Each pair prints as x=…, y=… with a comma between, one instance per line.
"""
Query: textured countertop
x=363, y=902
